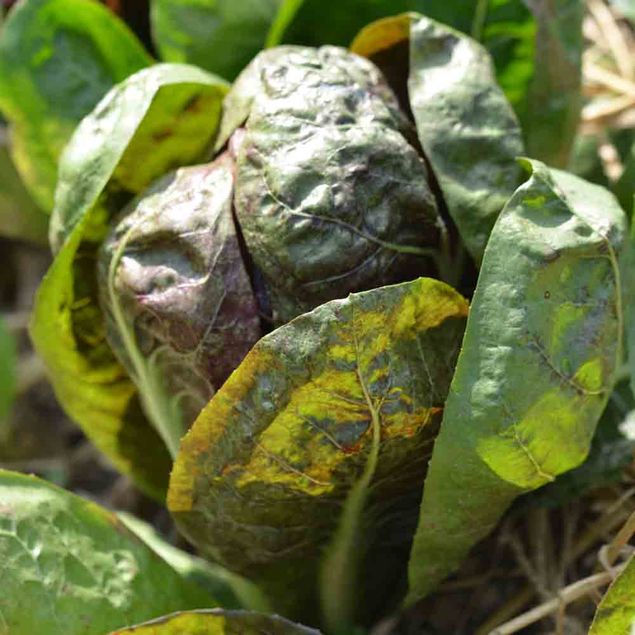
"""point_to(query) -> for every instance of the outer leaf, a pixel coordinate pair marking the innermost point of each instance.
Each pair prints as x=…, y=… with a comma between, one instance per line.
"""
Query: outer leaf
x=161, y=117
x=8, y=360
x=219, y=623
x=58, y=58
x=466, y=126
x=536, y=368
x=231, y=590
x=326, y=417
x=69, y=567
x=218, y=35
x=616, y=613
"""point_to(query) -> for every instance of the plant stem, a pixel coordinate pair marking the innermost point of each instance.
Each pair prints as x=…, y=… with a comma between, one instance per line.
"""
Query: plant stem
x=566, y=596
x=478, y=21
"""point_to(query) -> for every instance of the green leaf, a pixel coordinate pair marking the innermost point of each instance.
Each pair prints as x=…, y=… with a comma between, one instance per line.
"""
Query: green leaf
x=218, y=35
x=58, y=58
x=331, y=193
x=551, y=111
x=8, y=361
x=317, y=444
x=611, y=452
x=20, y=217
x=466, y=127
x=69, y=567
x=159, y=118
x=231, y=590
x=616, y=613
x=537, y=364
x=313, y=27
x=218, y=622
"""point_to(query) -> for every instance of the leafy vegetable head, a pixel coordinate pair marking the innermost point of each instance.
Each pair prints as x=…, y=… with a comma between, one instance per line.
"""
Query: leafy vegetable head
x=332, y=195
x=174, y=288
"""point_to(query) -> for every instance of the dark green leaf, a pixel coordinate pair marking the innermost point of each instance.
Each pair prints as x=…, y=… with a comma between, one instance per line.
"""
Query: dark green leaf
x=218, y=622
x=537, y=364
x=616, y=613
x=180, y=311
x=466, y=126
x=331, y=195
x=160, y=118
x=317, y=445
x=218, y=35
x=69, y=567
x=8, y=360
x=58, y=58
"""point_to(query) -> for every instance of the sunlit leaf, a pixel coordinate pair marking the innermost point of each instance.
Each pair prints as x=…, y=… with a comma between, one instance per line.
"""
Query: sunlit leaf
x=305, y=469
x=466, y=127
x=69, y=567
x=58, y=58
x=537, y=364
x=616, y=613
x=158, y=119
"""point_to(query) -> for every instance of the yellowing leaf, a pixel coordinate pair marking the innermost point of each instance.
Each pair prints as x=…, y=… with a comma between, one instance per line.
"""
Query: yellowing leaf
x=218, y=622
x=321, y=436
x=536, y=368
x=159, y=118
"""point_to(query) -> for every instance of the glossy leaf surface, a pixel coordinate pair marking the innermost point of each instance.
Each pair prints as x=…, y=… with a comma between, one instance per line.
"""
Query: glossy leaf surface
x=69, y=567
x=331, y=196
x=58, y=58
x=537, y=364
x=180, y=311
x=218, y=623
x=162, y=117
x=466, y=127
x=616, y=613
x=323, y=430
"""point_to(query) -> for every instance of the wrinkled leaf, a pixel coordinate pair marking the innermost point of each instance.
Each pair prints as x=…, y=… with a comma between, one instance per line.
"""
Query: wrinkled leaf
x=331, y=196
x=616, y=613
x=58, y=58
x=180, y=311
x=536, y=368
x=467, y=128
x=231, y=590
x=69, y=567
x=551, y=111
x=219, y=622
x=317, y=444
x=218, y=35
x=8, y=361
x=158, y=119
